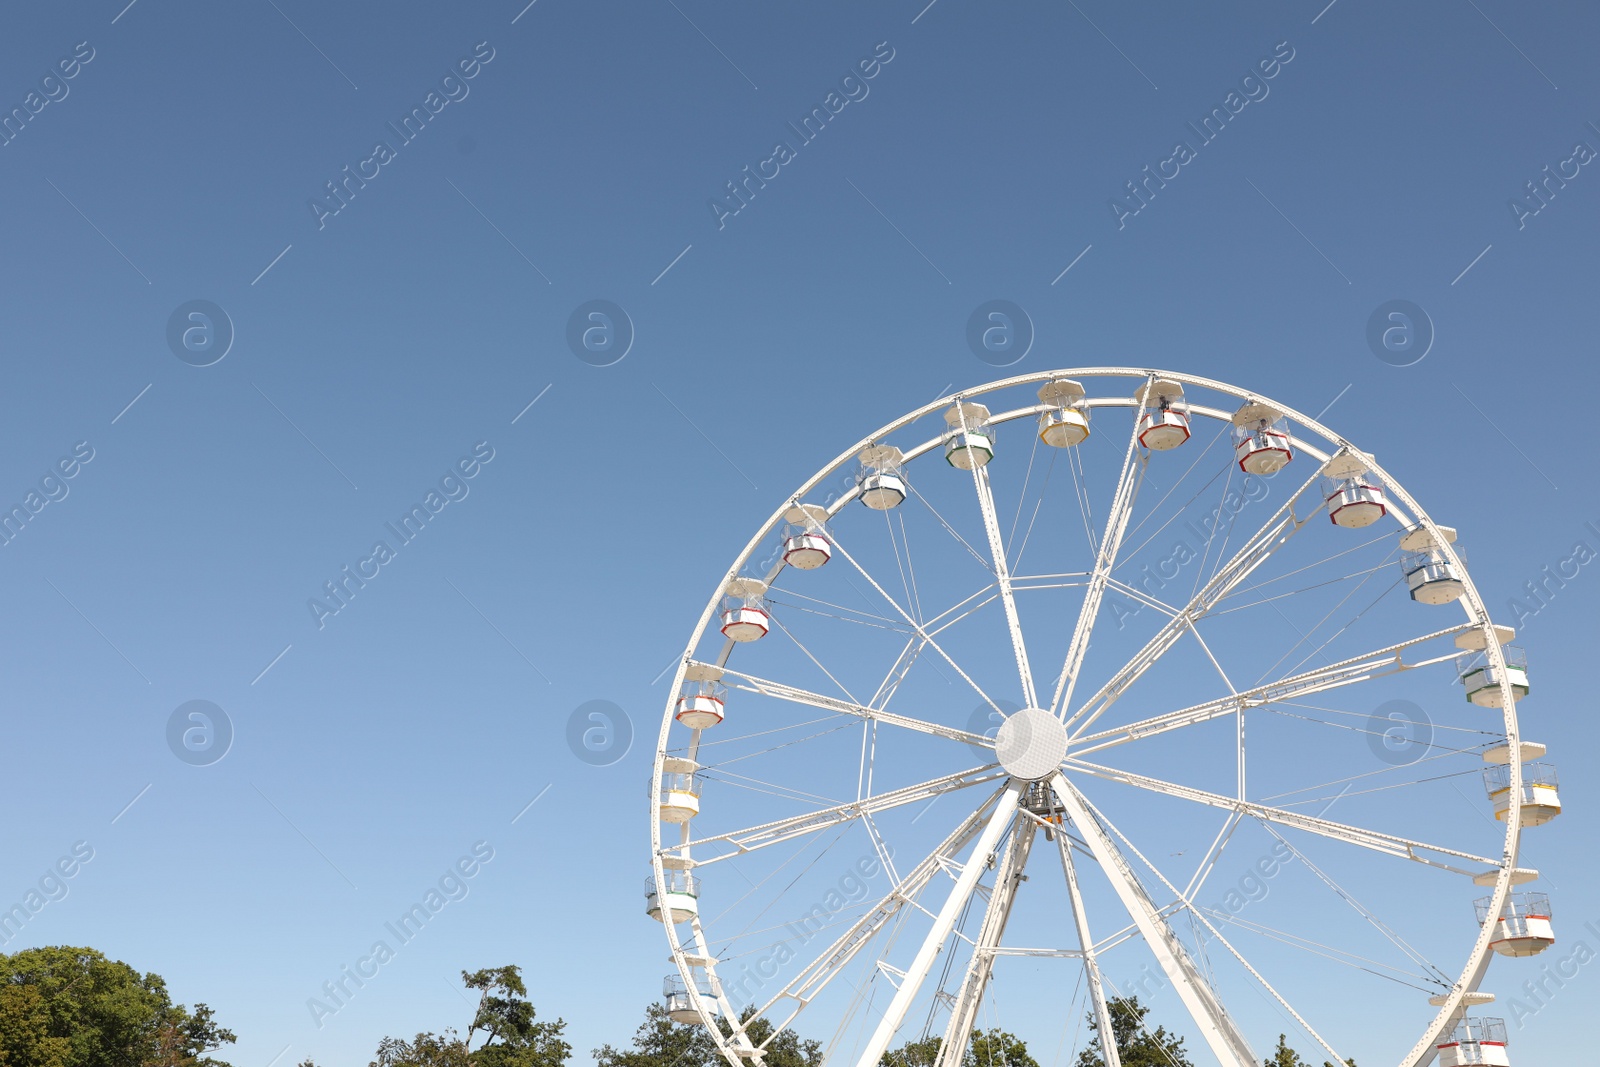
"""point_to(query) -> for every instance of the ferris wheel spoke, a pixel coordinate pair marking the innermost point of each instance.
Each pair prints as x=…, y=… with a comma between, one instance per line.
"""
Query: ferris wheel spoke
x=1105, y=560
x=1272, y=536
x=1007, y=879
x=816, y=976
x=1199, y=914
x=796, y=695
x=1091, y=959
x=917, y=973
x=1375, y=664
x=1002, y=573
x=1377, y=841
x=1215, y=1025
x=916, y=627
x=771, y=833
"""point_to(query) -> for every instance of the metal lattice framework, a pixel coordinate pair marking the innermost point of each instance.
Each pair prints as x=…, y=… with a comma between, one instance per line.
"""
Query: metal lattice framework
x=997, y=832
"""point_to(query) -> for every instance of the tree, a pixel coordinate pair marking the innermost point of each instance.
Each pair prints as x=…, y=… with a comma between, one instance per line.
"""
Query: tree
x=1136, y=1045
x=71, y=1007
x=1284, y=1056
x=660, y=1042
x=985, y=1048
x=504, y=1016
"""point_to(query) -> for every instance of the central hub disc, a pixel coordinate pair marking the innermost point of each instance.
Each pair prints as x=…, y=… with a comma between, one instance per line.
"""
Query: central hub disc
x=1031, y=744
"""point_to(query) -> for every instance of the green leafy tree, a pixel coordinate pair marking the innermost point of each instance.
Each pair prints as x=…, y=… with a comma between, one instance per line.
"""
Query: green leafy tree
x=986, y=1048
x=660, y=1042
x=1136, y=1044
x=504, y=1017
x=1284, y=1056
x=71, y=1007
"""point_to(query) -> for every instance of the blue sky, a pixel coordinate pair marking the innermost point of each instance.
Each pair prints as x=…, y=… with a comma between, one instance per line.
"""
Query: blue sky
x=374, y=349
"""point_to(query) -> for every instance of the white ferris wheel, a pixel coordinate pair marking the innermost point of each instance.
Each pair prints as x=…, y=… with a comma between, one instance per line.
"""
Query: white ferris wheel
x=1189, y=651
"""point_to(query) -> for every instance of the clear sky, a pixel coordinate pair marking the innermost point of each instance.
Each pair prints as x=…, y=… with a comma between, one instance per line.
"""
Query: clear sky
x=420, y=330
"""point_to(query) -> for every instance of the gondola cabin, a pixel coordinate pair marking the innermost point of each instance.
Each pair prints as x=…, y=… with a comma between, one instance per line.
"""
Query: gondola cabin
x=1475, y=1042
x=1431, y=576
x=970, y=443
x=680, y=1008
x=744, y=610
x=881, y=482
x=1523, y=926
x=1065, y=422
x=702, y=702
x=680, y=789
x=806, y=545
x=1163, y=415
x=1481, y=679
x=681, y=901
x=1541, y=800
x=1261, y=439
x=1354, y=498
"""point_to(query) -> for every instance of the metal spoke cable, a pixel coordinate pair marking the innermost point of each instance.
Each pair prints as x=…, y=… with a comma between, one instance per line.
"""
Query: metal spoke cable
x=1302, y=589
x=764, y=733
x=767, y=878
x=786, y=632
x=1022, y=495
x=1028, y=533
x=951, y=530
x=1385, y=788
x=1326, y=559
x=1315, y=948
x=798, y=740
x=779, y=601
x=1495, y=734
x=1306, y=636
x=894, y=624
x=905, y=539
x=772, y=788
x=1361, y=909
x=1156, y=509
x=1353, y=619
x=1343, y=781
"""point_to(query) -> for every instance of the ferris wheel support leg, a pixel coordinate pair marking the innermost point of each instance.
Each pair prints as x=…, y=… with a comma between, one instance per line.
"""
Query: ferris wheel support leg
x=1007, y=879
x=1218, y=1029
x=1091, y=962
x=1005, y=812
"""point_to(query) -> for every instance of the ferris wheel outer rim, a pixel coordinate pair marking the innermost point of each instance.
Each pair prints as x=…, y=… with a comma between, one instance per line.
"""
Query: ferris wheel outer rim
x=1480, y=956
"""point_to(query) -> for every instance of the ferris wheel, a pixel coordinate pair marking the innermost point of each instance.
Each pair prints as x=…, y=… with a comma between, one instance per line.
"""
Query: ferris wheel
x=1200, y=659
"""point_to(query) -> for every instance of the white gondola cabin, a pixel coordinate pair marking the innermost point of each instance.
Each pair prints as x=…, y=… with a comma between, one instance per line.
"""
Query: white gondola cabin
x=1523, y=928
x=970, y=443
x=702, y=702
x=682, y=900
x=1475, y=1042
x=806, y=544
x=1066, y=423
x=1261, y=438
x=680, y=1008
x=1354, y=498
x=1430, y=576
x=680, y=789
x=1163, y=415
x=1482, y=681
x=1541, y=800
x=882, y=479
x=744, y=610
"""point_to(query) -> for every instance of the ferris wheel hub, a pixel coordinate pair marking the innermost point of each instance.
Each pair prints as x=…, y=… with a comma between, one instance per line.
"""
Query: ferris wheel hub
x=1031, y=744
